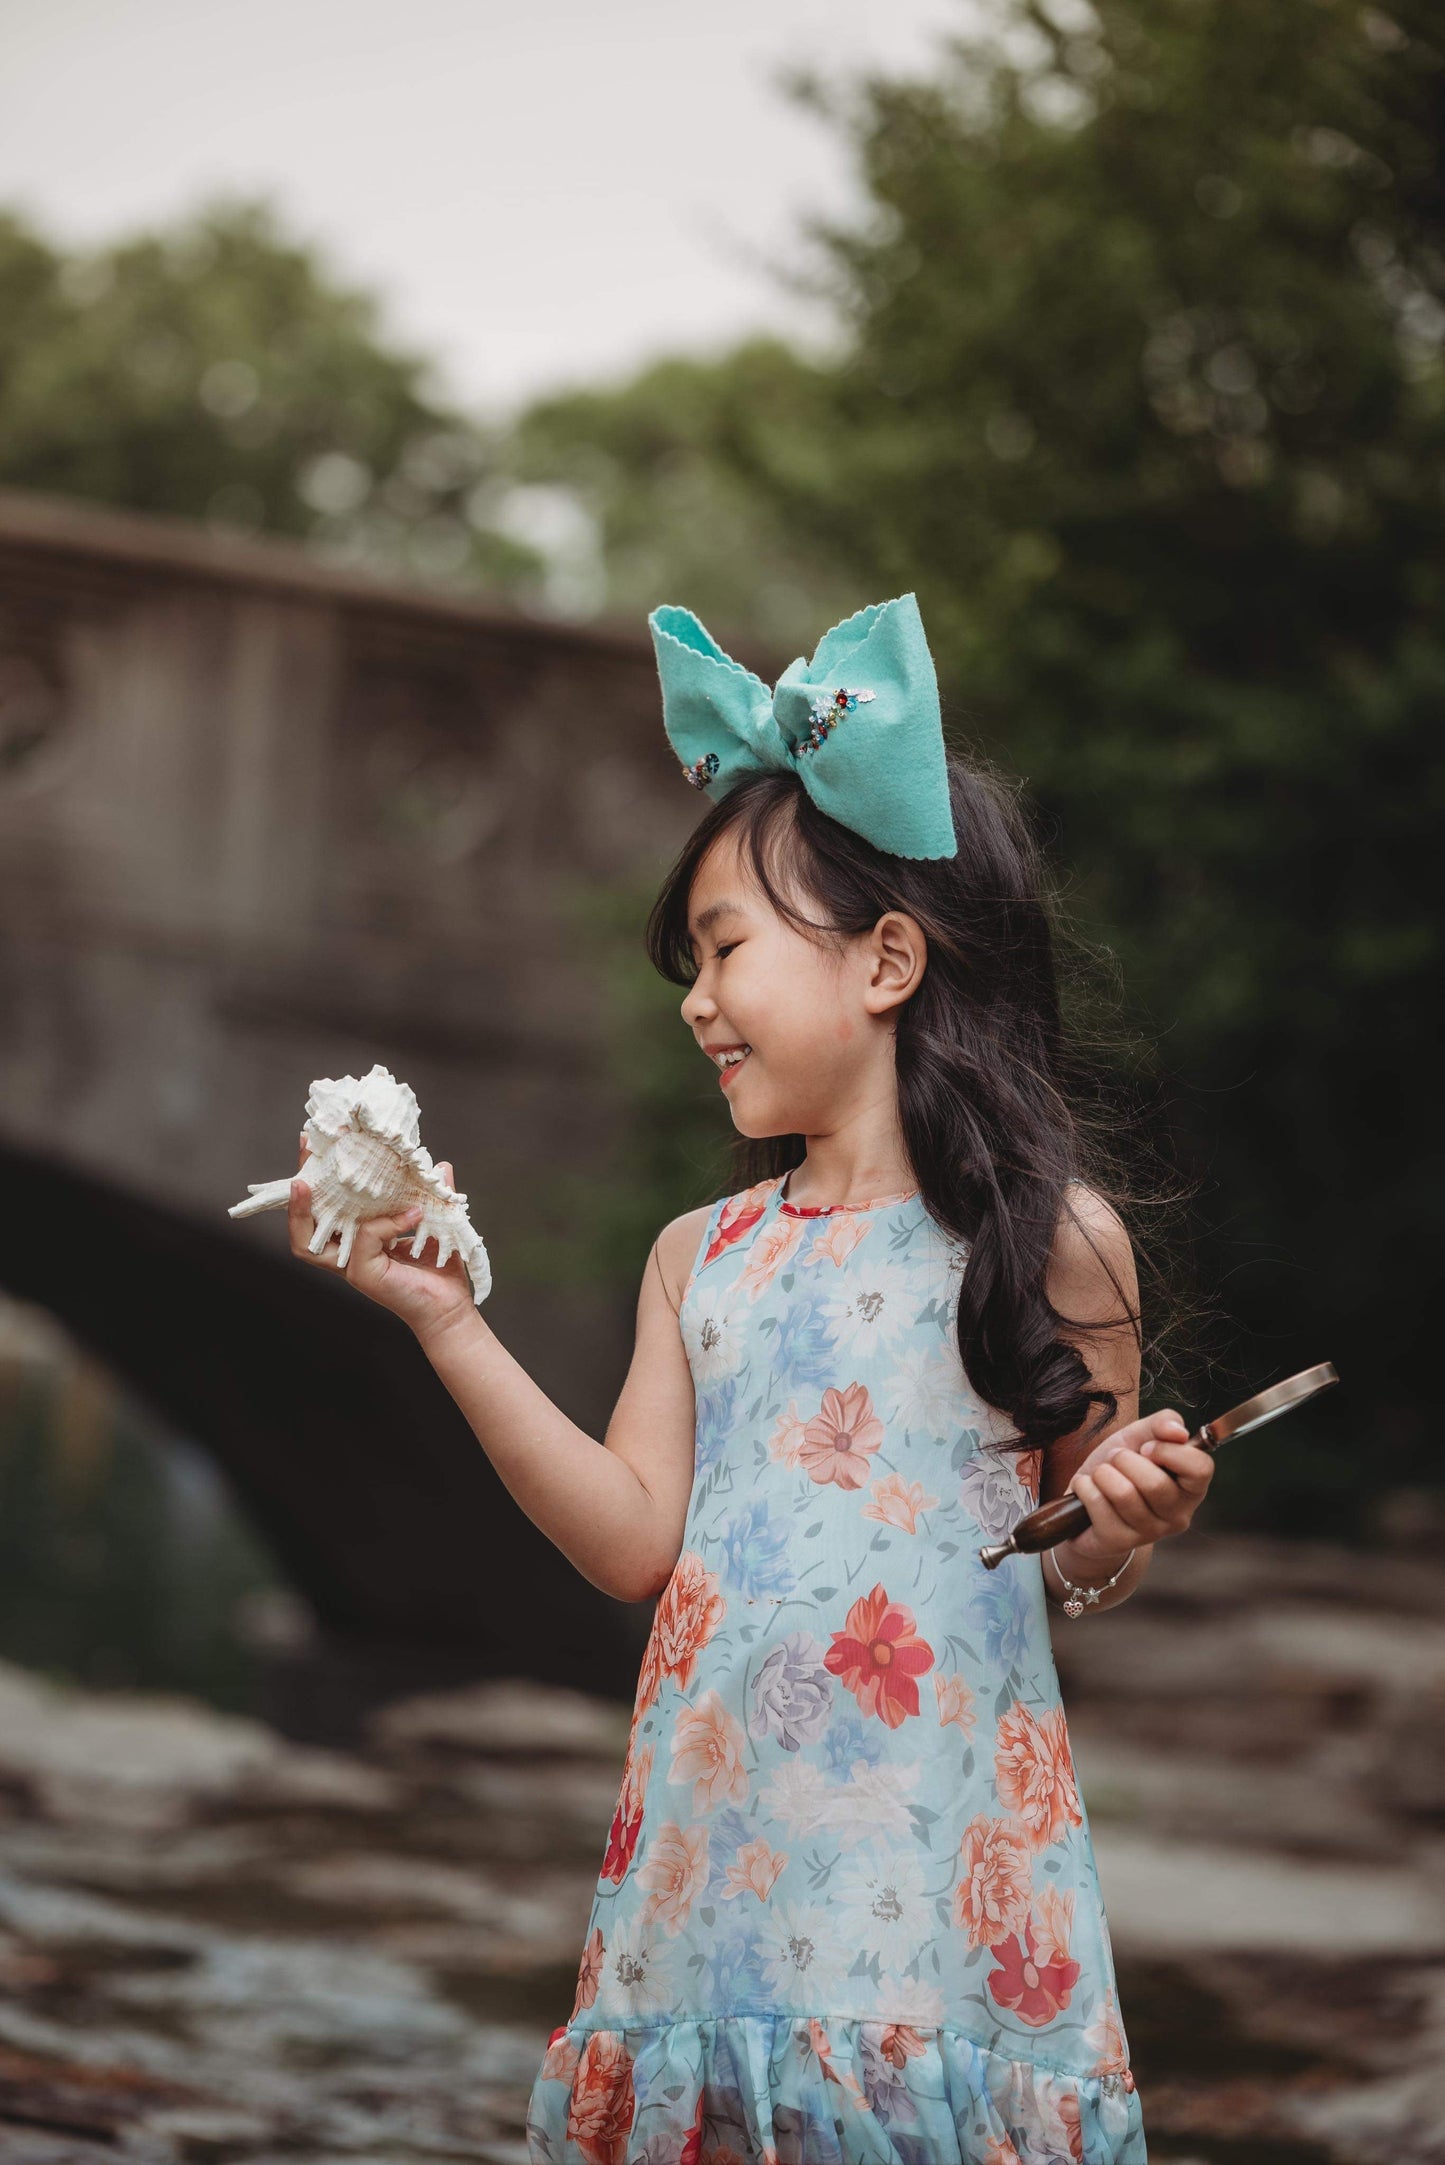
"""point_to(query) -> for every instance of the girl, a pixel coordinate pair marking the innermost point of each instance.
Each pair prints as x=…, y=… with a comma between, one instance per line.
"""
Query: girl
x=848, y=1909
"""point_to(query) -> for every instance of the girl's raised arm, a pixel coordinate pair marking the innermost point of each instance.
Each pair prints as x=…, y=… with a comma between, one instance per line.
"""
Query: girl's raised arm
x=615, y=1509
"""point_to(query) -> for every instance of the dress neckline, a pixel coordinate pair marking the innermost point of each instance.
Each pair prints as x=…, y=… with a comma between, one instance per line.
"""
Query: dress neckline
x=824, y=1210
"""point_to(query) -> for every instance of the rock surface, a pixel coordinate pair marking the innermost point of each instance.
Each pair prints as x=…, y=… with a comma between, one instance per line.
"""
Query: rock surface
x=219, y=1945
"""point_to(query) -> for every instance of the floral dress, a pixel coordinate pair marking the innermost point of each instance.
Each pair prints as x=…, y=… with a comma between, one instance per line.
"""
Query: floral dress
x=849, y=1912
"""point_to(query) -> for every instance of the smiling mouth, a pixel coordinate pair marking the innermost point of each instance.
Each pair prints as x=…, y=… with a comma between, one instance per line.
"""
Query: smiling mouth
x=730, y=1062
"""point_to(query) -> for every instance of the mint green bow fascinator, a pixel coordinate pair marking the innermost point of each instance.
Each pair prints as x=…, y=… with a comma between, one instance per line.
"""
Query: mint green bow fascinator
x=859, y=723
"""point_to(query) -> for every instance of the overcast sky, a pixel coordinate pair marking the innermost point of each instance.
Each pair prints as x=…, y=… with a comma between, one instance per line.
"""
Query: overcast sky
x=541, y=192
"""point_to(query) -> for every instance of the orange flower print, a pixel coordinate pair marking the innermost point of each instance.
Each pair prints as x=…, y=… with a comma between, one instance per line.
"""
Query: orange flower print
x=675, y=1874
x=589, y=1974
x=687, y=1615
x=1000, y=2151
x=739, y=1214
x=898, y=1502
x=599, y=2118
x=836, y=1241
x=1054, y=1924
x=838, y=1442
x=649, y=1681
x=879, y=1657
x=707, y=1750
x=844, y=2076
x=955, y=1702
x=773, y=1247
x=1035, y=1989
x=1034, y=1771
x=627, y=1819
x=786, y=1442
x=899, y=2043
x=1105, y=2036
x=991, y=1894
x=754, y=1870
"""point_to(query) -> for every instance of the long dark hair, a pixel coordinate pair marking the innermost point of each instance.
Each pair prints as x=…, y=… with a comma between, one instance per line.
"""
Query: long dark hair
x=1001, y=1105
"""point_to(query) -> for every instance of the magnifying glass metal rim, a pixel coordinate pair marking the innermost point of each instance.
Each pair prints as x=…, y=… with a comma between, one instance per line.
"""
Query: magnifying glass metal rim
x=1268, y=1404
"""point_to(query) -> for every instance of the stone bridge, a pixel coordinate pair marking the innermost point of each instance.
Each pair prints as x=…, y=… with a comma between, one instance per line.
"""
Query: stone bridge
x=263, y=819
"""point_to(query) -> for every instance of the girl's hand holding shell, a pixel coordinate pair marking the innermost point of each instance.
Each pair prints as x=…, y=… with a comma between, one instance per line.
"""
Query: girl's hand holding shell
x=372, y=1183
x=425, y=1297
x=1140, y=1485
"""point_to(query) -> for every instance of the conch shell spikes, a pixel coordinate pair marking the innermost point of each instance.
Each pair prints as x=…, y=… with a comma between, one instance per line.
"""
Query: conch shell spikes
x=367, y=1161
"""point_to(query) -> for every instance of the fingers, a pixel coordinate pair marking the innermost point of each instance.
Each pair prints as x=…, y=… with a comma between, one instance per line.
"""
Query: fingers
x=1158, y=1428
x=299, y=1222
x=1132, y=1499
x=1115, y=1529
x=372, y=1236
x=1190, y=1466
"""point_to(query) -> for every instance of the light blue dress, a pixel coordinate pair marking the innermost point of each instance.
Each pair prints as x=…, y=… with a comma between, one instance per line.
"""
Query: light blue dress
x=849, y=1909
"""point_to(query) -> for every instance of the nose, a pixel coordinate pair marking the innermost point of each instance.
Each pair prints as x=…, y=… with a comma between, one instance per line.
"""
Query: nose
x=696, y=1005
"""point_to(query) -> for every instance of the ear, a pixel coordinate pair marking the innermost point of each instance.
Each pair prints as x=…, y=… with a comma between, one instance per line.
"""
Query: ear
x=899, y=955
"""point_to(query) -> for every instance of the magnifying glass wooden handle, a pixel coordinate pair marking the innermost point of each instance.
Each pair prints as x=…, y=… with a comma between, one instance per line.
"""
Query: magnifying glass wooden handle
x=1064, y=1516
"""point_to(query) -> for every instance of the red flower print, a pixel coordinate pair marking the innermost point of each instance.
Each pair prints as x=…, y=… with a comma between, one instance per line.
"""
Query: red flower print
x=838, y=1442
x=1036, y=1990
x=879, y=1656
x=560, y=2061
x=1034, y=1770
x=599, y=2119
x=740, y=1213
x=689, y=1612
x=627, y=1819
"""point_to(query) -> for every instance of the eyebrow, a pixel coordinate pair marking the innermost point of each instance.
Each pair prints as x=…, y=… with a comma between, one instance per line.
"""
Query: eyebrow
x=713, y=912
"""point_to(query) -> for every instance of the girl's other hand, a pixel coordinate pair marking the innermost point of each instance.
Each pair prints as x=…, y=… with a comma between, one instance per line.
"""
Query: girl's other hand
x=410, y=1286
x=1141, y=1484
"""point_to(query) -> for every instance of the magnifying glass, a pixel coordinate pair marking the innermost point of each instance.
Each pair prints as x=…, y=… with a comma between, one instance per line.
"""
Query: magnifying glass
x=1064, y=1516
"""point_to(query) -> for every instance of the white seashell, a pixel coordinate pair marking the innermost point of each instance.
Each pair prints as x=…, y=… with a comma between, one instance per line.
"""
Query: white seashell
x=367, y=1161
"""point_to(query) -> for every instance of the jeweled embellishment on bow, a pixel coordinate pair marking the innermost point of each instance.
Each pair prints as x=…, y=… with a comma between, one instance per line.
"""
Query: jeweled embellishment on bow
x=825, y=715
x=702, y=770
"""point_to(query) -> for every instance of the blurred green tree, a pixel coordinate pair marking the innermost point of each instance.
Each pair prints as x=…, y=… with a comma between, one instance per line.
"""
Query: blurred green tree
x=1140, y=386
x=216, y=371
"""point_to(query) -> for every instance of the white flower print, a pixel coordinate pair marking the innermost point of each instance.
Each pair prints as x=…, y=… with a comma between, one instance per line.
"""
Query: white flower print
x=800, y=1796
x=637, y=1975
x=911, y=2001
x=873, y=1800
x=991, y=1492
x=871, y=1315
x=716, y=1346
x=803, y=1952
x=924, y=1390
x=881, y=1904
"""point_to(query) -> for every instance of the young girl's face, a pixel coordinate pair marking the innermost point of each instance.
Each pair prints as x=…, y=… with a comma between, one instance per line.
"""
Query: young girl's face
x=820, y=1025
